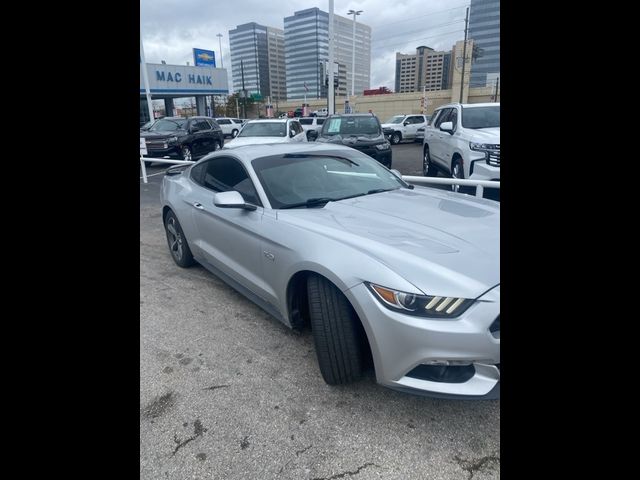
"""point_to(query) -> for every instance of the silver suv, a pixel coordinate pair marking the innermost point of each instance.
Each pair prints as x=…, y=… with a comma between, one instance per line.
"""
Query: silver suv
x=463, y=141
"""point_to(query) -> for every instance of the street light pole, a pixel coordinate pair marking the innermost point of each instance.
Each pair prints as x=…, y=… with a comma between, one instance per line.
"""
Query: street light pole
x=353, y=54
x=219, y=35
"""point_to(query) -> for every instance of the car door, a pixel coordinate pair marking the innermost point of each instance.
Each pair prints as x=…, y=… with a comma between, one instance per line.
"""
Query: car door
x=412, y=124
x=300, y=135
x=207, y=134
x=436, y=137
x=229, y=239
x=225, y=125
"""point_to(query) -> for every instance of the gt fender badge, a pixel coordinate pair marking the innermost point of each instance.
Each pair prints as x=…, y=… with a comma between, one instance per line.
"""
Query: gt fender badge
x=269, y=255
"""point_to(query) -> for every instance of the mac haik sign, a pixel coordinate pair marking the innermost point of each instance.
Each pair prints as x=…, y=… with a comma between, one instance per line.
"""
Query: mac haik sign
x=183, y=79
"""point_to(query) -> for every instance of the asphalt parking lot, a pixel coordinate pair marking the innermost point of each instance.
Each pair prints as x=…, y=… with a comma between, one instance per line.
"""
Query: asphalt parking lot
x=227, y=392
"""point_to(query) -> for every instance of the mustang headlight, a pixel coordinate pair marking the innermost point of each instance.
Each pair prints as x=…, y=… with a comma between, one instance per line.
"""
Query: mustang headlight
x=420, y=305
x=383, y=146
x=483, y=147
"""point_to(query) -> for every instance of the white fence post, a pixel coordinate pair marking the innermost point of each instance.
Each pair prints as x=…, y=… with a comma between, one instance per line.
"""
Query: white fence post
x=143, y=166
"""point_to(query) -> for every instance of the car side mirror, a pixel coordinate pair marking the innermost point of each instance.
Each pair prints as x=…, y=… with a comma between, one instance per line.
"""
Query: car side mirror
x=231, y=199
x=405, y=123
x=312, y=135
x=447, y=127
x=292, y=133
x=194, y=129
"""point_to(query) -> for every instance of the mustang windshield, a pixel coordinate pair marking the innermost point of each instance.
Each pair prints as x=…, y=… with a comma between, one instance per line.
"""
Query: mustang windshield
x=302, y=180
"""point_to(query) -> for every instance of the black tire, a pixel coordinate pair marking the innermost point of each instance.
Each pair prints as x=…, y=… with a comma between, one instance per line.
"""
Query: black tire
x=396, y=137
x=234, y=132
x=185, y=153
x=178, y=246
x=335, y=331
x=457, y=171
x=428, y=168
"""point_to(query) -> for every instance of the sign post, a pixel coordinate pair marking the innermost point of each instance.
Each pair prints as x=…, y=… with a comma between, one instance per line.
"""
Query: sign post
x=143, y=151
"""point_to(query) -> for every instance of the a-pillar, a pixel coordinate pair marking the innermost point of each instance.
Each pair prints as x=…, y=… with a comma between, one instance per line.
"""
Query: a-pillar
x=168, y=107
x=201, y=106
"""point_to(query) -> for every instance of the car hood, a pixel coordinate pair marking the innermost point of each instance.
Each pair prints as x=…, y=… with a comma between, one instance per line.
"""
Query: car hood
x=160, y=135
x=240, y=141
x=420, y=234
x=486, y=135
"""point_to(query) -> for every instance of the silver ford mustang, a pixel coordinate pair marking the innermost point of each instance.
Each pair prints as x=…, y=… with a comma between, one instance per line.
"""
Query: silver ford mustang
x=317, y=234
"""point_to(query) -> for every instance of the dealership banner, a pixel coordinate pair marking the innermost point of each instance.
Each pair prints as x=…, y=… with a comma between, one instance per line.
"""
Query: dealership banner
x=204, y=58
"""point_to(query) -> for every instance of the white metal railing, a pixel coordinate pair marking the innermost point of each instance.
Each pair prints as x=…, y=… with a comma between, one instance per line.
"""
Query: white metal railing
x=159, y=160
x=480, y=184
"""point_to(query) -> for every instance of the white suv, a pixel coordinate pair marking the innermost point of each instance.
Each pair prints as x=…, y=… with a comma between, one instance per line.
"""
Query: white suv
x=230, y=126
x=463, y=141
x=403, y=127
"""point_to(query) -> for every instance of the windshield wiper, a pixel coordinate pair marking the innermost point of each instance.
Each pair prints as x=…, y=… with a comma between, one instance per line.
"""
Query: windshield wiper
x=312, y=202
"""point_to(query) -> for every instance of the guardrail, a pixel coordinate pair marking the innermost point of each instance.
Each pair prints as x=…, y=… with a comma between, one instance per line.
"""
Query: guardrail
x=159, y=160
x=479, y=184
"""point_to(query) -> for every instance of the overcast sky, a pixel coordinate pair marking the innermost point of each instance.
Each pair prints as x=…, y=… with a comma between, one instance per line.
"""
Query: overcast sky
x=172, y=28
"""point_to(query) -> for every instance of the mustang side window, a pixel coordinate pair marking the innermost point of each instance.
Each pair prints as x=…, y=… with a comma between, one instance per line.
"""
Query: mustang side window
x=224, y=174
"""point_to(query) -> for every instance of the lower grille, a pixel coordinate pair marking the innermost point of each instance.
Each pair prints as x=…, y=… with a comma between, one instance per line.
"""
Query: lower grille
x=495, y=326
x=493, y=158
x=443, y=373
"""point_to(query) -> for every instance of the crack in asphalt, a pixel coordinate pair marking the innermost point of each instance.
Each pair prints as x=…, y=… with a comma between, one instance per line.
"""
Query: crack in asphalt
x=198, y=430
x=472, y=466
x=214, y=387
x=344, y=474
x=300, y=452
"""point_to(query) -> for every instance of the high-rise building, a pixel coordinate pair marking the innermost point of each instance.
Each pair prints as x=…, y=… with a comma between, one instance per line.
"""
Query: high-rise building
x=257, y=52
x=306, y=35
x=425, y=69
x=484, y=30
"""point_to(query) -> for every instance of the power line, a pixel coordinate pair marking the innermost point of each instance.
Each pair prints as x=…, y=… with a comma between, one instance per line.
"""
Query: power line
x=416, y=31
x=424, y=38
x=421, y=16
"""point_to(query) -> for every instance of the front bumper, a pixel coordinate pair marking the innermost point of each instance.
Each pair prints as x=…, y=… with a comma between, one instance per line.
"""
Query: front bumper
x=403, y=344
x=170, y=151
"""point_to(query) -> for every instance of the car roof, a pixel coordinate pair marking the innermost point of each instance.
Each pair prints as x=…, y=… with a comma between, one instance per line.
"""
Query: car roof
x=352, y=115
x=469, y=105
x=266, y=120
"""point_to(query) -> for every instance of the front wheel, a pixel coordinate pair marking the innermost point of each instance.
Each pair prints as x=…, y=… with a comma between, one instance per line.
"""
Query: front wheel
x=180, y=251
x=335, y=331
x=457, y=172
x=234, y=133
x=395, y=138
x=186, y=153
x=428, y=168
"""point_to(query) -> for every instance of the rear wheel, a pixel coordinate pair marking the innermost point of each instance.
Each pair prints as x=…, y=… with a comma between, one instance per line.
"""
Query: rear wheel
x=336, y=335
x=180, y=251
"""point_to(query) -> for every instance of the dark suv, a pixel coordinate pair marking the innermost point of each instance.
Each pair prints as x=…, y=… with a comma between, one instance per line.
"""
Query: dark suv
x=361, y=131
x=183, y=138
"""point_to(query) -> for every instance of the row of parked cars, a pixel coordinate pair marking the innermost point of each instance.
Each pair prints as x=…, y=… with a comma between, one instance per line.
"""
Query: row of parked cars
x=459, y=140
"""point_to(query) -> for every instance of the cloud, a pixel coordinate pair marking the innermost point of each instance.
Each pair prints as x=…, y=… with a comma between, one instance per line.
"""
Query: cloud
x=172, y=28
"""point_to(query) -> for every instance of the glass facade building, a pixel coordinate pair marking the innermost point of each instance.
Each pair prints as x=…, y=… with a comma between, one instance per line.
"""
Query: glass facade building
x=484, y=30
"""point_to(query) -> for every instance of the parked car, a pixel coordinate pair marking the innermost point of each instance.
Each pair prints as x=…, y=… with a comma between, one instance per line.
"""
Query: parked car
x=361, y=131
x=321, y=112
x=183, y=138
x=463, y=141
x=403, y=127
x=272, y=130
x=323, y=235
x=298, y=112
x=311, y=123
x=230, y=126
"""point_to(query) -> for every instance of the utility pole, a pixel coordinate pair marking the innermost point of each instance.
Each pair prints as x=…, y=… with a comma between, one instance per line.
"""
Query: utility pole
x=497, y=87
x=244, y=92
x=332, y=100
x=464, y=53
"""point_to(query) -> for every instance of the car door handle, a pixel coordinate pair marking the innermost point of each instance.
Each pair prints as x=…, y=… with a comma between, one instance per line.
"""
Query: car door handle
x=198, y=206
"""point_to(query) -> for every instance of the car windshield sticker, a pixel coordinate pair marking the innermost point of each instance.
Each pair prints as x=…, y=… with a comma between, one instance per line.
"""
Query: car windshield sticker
x=334, y=125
